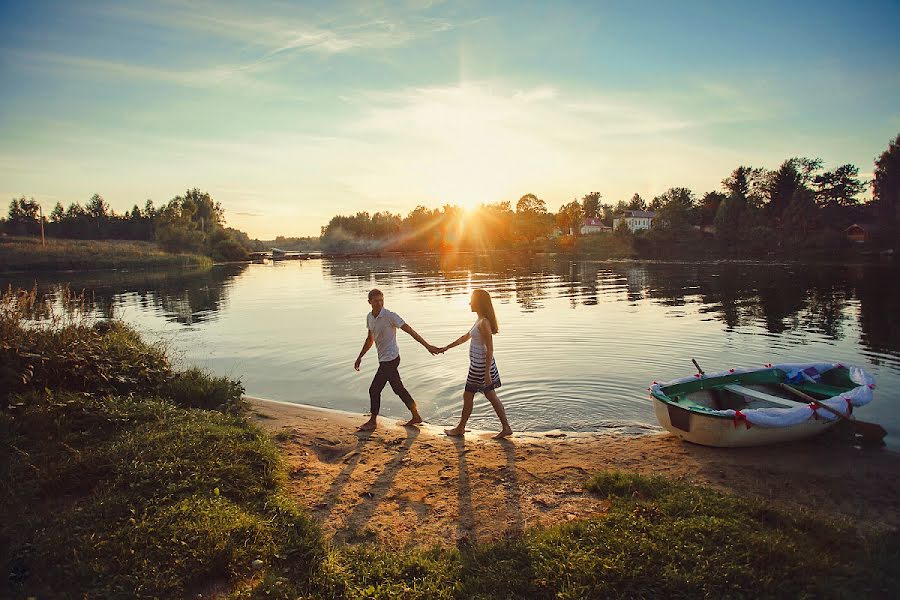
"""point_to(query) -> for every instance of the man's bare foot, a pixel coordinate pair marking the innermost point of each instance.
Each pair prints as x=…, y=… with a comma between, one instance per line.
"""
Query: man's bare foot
x=503, y=434
x=414, y=421
x=455, y=432
x=368, y=425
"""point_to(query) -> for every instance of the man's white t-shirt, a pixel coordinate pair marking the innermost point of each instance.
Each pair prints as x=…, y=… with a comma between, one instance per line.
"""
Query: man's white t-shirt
x=384, y=331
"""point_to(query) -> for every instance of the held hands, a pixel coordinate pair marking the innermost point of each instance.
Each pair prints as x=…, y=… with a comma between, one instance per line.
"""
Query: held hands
x=435, y=350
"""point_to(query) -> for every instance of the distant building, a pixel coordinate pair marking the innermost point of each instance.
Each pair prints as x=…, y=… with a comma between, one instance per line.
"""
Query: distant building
x=635, y=219
x=594, y=225
x=863, y=233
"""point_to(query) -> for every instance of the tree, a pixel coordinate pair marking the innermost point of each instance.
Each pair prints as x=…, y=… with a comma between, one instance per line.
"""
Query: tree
x=746, y=182
x=730, y=217
x=800, y=216
x=709, y=206
x=782, y=184
x=607, y=211
x=58, y=213
x=23, y=216
x=591, y=204
x=675, y=209
x=886, y=185
x=529, y=203
x=532, y=220
x=637, y=203
x=570, y=217
x=97, y=208
x=840, y=187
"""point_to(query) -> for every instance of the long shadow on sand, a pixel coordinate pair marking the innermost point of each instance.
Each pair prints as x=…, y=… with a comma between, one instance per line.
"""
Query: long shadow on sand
x=465, y=523
x=513, y=490
x=364, y=511
x=334, y=492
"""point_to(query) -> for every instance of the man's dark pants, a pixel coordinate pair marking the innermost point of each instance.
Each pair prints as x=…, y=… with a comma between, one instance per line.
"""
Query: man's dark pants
x=388, y=373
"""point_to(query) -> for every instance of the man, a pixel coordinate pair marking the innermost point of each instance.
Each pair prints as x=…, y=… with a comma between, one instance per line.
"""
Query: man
x=382, y=326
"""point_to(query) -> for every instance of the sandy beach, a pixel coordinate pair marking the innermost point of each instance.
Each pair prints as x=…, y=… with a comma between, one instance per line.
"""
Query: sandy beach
x=414, y=486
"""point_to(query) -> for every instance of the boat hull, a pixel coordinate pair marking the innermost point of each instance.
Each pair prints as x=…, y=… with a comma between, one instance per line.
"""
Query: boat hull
x=709, y=430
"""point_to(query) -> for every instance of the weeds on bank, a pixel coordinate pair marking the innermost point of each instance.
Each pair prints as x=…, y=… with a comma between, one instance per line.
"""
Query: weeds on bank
x=27, y=254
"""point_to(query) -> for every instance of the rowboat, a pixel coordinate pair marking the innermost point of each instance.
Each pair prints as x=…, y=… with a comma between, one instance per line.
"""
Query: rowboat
x=753, y=407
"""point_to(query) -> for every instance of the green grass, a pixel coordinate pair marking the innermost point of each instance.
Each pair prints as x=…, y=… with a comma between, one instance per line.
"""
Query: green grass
x=27, y=254
x=149, y=482
x=122, y=497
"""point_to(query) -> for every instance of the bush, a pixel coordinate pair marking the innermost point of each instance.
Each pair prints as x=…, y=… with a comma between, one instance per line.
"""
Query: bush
x=195, y=389
x=55, y=352
x=229, y=250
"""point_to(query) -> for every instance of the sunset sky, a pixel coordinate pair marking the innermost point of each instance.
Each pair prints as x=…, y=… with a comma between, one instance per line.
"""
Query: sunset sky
x=291, y=112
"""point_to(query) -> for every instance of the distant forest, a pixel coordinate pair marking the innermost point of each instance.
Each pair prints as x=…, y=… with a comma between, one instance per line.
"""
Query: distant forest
x=798, y=207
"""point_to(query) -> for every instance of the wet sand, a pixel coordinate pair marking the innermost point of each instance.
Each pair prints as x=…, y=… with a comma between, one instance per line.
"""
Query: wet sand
x=414, y=486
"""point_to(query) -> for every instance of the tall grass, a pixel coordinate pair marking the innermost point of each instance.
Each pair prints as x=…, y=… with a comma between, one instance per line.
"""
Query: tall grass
x=27, y=254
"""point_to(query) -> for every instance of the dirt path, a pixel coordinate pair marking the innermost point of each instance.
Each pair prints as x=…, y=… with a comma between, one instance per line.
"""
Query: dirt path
x=410, y=486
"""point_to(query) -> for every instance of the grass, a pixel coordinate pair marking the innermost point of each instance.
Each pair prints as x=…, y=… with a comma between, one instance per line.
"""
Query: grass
x=147, y=482
x=27, y=254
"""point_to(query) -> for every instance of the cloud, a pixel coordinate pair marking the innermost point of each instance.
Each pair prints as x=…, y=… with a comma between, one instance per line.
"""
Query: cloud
x=220, y=75
x=284, y=28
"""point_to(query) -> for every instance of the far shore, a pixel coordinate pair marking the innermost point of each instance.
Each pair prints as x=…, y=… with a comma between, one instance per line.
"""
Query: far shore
x=413, y=486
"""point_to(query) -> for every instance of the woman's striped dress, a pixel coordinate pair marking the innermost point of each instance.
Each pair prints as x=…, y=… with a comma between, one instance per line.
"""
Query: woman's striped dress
x=477, y=355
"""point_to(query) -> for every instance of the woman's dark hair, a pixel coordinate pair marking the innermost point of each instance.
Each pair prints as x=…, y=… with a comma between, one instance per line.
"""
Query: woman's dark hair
x=482, y=301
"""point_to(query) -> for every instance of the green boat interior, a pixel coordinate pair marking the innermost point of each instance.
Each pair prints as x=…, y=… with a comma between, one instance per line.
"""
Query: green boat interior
x=757, y=389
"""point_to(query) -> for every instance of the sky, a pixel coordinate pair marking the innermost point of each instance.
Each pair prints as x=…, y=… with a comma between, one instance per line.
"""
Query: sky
x=289, y=113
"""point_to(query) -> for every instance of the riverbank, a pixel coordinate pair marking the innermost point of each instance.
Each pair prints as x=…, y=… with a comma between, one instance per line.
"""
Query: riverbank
x=415, y=487
x=126, y=477
x=27, y=254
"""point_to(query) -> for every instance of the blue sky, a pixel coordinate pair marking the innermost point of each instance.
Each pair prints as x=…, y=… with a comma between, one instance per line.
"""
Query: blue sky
x=289, y=113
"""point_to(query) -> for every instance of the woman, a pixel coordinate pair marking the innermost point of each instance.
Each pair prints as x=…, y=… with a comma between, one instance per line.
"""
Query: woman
x=483, y=374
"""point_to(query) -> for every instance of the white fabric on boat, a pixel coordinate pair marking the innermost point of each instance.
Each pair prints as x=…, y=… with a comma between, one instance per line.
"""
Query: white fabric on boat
x=787, y=417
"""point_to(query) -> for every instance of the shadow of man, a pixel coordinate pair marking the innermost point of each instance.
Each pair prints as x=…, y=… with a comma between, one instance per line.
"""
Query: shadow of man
x=364, y=511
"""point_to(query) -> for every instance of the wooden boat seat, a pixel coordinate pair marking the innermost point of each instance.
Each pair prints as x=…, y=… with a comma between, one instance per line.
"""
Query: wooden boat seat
x=758, y=395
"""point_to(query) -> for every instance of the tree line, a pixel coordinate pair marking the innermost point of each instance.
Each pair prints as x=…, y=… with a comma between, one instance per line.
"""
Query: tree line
x=797, y=206
x=192, y=222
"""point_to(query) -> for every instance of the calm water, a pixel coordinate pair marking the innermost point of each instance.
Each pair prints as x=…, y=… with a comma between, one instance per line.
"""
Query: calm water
x=578, y=343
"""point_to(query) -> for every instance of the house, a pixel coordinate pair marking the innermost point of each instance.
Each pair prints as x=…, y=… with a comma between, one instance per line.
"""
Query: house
x=863, y=233
x=594, y=225
x=635, y=219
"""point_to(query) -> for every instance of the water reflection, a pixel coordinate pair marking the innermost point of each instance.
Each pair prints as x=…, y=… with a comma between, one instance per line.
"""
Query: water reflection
x=186, y=296
x=782, y=298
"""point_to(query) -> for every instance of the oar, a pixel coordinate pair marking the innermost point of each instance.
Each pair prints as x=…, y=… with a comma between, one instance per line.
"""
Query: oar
x=713, y=392
x=699, y=370
x=872, y=433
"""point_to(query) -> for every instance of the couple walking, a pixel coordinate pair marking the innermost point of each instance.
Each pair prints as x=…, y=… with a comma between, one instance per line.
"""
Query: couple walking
x=382, y=326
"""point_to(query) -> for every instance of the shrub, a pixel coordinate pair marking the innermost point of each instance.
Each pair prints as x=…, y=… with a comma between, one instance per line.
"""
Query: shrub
x=229, y=250
x=195, y=389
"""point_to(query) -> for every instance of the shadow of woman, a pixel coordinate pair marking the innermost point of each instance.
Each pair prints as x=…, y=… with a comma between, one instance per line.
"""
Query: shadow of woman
x=513, y=490
x=465, y=522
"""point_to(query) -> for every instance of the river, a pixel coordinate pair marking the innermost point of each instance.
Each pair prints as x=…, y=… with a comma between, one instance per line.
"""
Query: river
x=579, y=342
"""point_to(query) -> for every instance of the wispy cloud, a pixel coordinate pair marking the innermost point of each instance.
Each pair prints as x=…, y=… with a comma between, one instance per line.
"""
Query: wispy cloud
x=236, y=75
x=290, y=29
